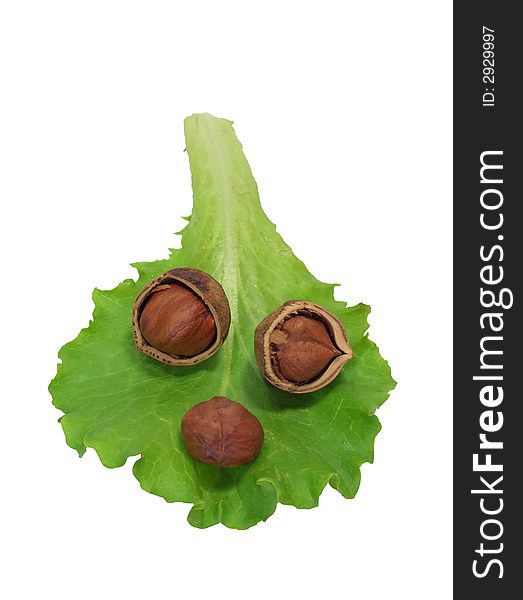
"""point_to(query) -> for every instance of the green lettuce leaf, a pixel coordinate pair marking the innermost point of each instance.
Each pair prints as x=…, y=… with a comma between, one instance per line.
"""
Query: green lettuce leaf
x=122, y=403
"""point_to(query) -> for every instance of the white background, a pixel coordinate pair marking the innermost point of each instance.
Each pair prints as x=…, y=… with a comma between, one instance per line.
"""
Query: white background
x=344, y=110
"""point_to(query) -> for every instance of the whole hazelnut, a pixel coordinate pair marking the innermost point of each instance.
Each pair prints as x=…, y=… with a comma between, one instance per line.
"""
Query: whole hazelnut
x=222, y=433
x=181, y=318
x=301, y=347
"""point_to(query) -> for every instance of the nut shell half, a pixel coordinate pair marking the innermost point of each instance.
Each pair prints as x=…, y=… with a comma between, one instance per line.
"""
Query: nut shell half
x=204, y=287
x=264, y=354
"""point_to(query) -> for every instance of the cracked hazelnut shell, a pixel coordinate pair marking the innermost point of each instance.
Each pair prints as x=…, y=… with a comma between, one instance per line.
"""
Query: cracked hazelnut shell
x=301, y=347
x=222, y=433
x=181, y=318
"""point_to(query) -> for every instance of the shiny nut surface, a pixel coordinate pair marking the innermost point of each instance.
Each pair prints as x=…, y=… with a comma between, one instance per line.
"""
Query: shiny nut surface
x=181, y=318
x=301, y=347
x=176, y=321
x=222, y=433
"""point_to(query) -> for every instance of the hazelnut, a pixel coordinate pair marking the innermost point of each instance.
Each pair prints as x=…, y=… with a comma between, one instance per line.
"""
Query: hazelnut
x=301, y=347
x=175, y=321
x=181, y=318
x=222, y=433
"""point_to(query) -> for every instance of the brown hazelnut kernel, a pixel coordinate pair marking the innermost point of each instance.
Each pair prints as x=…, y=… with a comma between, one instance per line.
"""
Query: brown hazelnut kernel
x=222, y=433
x=175, y=321
x=301, y=347
x=181, y=318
